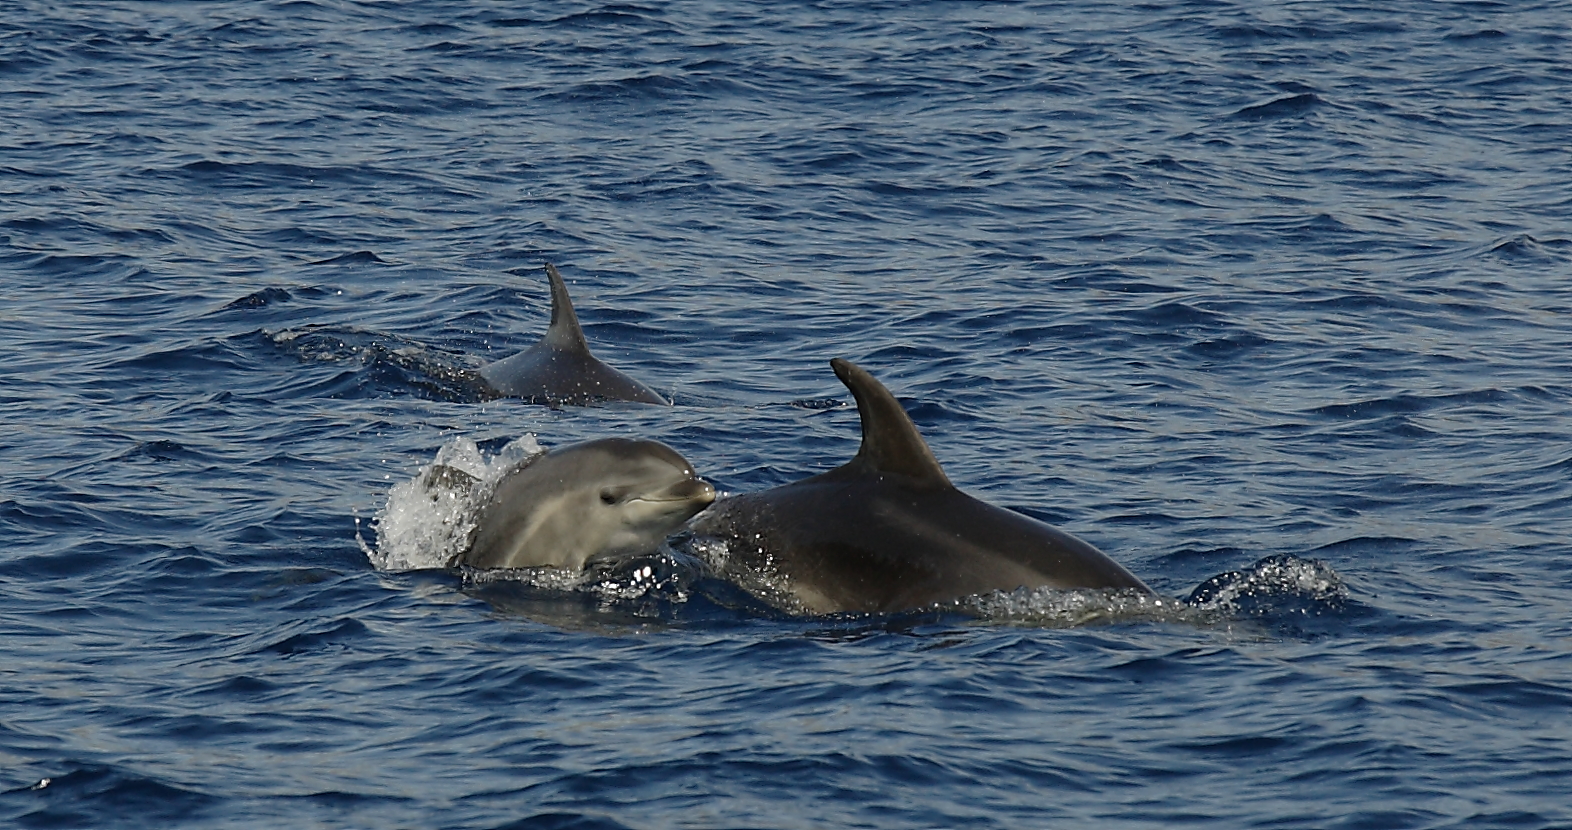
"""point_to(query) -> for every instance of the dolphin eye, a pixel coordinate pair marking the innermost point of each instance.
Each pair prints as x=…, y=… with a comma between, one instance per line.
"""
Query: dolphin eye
x=608, y=497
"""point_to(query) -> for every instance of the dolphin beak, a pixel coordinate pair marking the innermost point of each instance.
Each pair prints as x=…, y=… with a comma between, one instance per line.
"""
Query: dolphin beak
x=697, y=490
x=692, y=490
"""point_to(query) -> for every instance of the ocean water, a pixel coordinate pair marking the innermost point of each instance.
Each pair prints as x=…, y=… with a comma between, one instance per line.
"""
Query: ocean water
x=1272, y=299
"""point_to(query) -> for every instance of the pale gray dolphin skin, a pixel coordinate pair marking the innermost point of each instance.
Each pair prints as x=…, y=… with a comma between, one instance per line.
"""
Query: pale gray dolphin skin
x=887, y=531
x=599, y=499
x=560, y=369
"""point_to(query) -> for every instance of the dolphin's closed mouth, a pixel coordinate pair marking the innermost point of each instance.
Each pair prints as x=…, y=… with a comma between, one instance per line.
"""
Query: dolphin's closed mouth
x=693, y=490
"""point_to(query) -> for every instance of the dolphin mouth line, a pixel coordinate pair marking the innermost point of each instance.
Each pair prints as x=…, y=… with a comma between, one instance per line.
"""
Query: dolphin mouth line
x=672, y=499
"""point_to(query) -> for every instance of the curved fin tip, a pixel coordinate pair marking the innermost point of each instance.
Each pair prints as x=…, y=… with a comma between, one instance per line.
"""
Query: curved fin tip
x=890, y=441
x=564, y=331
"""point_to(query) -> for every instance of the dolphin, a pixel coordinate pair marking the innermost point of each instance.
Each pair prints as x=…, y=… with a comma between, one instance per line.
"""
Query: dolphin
x=599, y=499
x=887, y=531
x=560, y=369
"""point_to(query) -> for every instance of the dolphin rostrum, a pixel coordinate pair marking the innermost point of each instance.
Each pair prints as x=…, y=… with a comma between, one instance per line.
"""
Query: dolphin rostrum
x=600, y=499
x=559, y=369
x=887, y=531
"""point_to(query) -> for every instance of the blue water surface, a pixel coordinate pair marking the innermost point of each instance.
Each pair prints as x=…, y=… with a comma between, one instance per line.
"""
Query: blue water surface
x=1205, y=283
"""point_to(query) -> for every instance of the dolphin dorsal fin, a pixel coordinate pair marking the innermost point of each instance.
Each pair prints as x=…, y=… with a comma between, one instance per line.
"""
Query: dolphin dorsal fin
x=890, y=441
x=564, y=332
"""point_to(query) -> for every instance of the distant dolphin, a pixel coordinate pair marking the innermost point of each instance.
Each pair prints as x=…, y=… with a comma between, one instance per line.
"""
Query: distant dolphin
x=604, y=498
x=887, y=531
x=560, y=369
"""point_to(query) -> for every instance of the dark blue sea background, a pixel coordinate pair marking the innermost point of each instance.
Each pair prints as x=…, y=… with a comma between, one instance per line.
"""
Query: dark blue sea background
x=1204, y=283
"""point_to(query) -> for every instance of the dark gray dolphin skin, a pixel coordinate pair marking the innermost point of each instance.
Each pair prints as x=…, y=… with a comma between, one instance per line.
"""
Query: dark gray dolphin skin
x=599, y=499
x=560, y=369
x=887, y=531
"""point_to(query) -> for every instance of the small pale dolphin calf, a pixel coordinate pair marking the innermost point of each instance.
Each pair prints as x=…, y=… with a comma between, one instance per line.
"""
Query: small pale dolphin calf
x=599, y=499
x=560, y=369
x=887, y=531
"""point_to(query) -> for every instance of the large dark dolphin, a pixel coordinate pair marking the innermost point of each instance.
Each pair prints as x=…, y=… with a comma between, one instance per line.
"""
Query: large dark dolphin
x=887, y=531
x=605, y=498
x=560, y=369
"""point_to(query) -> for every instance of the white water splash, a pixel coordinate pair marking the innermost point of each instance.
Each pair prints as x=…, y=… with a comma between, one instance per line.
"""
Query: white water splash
x=1281, y=581
x=428, y=519
x=1056, y=608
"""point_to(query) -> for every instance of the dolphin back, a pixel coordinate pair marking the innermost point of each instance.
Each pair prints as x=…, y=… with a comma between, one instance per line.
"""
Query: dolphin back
x=559, y=369
x=878, y=545
x=887, y=531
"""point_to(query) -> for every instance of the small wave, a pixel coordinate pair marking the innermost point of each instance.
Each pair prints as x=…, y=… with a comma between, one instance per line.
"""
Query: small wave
x=82, y=265
x=96, y=795
x=261, y=174
x=1263, y=33
x=1293, y=105
x=388, y=364
x=647, y=87
x=565, y=821
x=613, y=16
x=163, y=451
x=1229, y=347
x=1514, y=693
x=215, y=356
x=1409, y=404
x=1481, y=35
x=1276, y=585
x=1174, y=314
x=356, y=258
x=259, y=299
x=338, y=634
x=1055, y=608
x=1524, y=247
